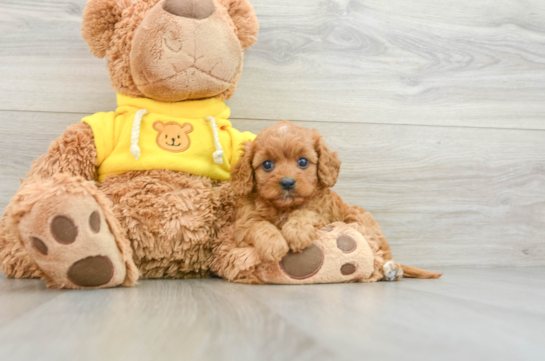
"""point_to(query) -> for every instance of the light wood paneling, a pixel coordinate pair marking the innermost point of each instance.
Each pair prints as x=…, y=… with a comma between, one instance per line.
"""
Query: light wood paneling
x=442, y=195
x=470, y=63
x=469, y=314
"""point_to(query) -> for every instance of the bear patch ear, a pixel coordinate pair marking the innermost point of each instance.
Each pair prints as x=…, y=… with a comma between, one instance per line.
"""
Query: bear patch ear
x=159, y=126
x=245, y=20
x=98, y=25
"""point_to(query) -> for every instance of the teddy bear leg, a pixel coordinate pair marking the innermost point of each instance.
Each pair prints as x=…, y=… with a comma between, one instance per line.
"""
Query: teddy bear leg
x=66, y=225
x=339, y=254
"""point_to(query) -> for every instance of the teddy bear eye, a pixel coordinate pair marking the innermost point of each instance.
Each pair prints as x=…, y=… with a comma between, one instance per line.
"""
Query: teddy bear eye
x=178, y=137
x=268, y=165
x=166, y=136
x=302, y=163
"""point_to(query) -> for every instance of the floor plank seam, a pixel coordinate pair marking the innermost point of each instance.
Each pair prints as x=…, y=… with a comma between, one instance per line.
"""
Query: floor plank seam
x=307, y=121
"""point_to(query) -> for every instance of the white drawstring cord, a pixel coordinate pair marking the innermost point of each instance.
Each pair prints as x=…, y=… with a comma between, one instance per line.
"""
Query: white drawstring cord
x=135, y=134
x=218, y=154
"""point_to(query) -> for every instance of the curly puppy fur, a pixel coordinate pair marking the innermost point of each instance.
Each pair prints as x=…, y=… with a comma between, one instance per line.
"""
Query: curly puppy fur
x=273, y=219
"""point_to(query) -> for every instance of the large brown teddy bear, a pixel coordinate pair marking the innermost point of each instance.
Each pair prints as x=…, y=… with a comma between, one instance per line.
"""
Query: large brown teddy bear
x=141, y=191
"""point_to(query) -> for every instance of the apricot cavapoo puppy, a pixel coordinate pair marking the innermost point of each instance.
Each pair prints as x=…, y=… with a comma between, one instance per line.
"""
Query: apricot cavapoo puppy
x=283, y=187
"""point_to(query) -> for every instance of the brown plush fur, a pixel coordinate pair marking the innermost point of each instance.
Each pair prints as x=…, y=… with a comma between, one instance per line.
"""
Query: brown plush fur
x=171, y=219
x=274, y=220
x=209, y=67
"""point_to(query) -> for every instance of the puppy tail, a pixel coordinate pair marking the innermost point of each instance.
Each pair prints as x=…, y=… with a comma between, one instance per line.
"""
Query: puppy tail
x=413, y=272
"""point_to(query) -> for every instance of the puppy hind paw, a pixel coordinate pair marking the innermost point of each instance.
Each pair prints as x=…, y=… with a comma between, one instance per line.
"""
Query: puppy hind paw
x=392, y=271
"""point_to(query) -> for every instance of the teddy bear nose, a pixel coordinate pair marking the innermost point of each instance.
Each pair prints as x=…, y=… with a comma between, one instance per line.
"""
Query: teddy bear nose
x=287, y=183
x=192, y=9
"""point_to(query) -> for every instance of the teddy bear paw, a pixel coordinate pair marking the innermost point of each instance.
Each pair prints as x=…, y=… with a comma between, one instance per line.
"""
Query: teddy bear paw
x=71, y=242
x=339, y=254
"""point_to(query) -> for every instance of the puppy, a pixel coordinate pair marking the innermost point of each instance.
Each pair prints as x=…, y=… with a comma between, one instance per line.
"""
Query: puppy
x=283, y=187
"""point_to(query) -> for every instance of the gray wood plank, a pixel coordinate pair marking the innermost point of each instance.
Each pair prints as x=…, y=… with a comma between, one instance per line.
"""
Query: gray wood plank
x=157, y=320
x=442, y=195
x=410, y=320
x=18, y=297
x=475, y=64
x=446, y=319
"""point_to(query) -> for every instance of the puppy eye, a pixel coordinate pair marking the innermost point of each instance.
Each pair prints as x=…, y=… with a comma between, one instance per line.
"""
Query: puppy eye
x=302, y=163
x=268, y=166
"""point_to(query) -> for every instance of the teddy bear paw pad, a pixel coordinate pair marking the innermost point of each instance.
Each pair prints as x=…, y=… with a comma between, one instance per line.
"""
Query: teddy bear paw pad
x=304, y=264
x=92, y=271
x=339, y=254
x=71, y=242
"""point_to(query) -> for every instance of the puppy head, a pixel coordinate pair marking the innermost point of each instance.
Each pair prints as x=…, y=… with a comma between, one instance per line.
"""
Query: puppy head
x=285, y=165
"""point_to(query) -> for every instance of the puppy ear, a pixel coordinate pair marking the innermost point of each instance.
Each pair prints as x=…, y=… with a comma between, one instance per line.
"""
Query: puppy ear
x=329, y=164
x=243, y=15
x=242, y=175
x=98, y=25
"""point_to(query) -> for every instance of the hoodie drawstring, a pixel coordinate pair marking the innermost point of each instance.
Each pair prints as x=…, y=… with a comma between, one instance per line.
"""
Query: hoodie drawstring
x=218, y=154
x=135, y=134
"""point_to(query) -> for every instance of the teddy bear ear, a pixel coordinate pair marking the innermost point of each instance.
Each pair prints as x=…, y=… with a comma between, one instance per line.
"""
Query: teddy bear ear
x=243, y=15
x=98, y=25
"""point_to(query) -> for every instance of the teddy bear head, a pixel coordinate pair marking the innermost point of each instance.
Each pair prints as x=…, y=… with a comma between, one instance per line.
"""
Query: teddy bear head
x=171, y=50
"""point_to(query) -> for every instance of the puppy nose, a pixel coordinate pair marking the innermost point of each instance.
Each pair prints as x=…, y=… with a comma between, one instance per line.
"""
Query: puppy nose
x=287, y=183
x=192, y=9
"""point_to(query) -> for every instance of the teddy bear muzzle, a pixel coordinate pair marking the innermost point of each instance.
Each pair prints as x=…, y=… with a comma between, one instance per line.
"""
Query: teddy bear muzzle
x=192, y=9
x=175, y=57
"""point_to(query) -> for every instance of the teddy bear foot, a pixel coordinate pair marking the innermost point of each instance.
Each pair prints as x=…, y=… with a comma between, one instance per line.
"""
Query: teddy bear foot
x=71, y=241
x=340, y=254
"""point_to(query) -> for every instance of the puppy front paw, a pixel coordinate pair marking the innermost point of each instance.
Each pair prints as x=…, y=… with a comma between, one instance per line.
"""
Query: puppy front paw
x=299, y=237
x=273, y=248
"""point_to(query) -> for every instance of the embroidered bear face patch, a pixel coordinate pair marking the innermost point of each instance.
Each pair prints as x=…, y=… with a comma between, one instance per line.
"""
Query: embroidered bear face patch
x=172, y=136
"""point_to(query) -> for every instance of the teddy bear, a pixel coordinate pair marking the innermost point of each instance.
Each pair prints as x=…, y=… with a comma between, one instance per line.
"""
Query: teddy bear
x=141, y=191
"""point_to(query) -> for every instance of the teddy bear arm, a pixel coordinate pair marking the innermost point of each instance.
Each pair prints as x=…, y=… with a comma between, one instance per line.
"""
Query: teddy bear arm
x=73, y=153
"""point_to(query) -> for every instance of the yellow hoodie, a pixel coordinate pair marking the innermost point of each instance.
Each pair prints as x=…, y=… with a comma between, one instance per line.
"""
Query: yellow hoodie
x=191, y=136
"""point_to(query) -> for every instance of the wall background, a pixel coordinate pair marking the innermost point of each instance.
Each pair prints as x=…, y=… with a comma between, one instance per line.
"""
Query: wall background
x=437, y=109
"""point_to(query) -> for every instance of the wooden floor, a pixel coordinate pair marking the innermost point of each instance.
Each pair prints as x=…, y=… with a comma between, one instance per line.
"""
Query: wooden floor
x=469, y=314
